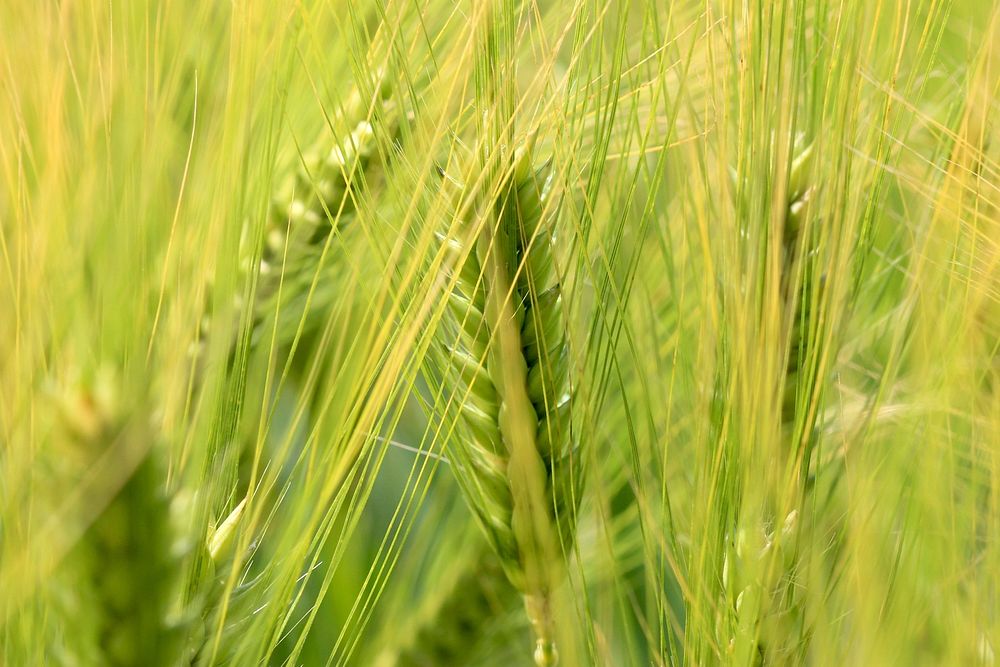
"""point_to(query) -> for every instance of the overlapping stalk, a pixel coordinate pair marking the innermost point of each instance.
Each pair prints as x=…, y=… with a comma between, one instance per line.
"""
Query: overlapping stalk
x=505, y=364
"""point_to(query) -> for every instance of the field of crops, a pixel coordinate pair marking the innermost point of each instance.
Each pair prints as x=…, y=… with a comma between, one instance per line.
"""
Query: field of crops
x=494, y=333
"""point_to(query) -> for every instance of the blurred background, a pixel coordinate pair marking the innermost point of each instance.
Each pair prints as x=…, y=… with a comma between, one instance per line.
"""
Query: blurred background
x=223, y=285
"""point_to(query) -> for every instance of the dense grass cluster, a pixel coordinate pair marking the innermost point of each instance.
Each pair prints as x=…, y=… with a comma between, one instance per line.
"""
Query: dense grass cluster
x=599, y=332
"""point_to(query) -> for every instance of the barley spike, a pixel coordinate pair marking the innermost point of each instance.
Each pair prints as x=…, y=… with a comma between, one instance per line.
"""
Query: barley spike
x=762, y=603
x=505, y=358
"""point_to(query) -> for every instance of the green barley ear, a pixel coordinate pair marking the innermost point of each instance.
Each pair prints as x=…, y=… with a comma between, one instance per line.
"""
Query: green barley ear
x=294, y=266
x=784, y=622
x=126, y=557
x=316, y=199
x=323, y=187
x=226, y=610
x=758, y=600
x=798, y=255
x=505, y=364
x=222, y=541
x=320, y=198
x=761, y=560
x=296, y=287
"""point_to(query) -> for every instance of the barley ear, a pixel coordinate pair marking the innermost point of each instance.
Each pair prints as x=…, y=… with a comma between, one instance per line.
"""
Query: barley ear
x=798, y=249
x=315, y=199
x=222, y=541
x=506, y=360
x=761, y=560
x=226, y=606
x=318, y=199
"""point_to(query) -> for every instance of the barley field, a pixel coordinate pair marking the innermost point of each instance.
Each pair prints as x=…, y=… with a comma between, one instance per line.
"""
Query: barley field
x=495, y=333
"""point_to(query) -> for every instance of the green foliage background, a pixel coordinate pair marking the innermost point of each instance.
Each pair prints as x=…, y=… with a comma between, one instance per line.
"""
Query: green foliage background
x=161, y=362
